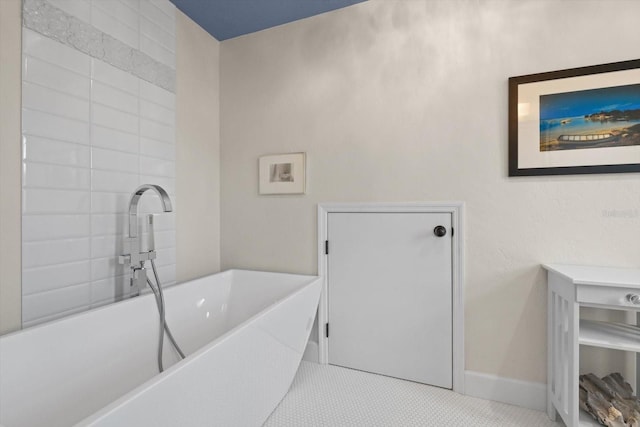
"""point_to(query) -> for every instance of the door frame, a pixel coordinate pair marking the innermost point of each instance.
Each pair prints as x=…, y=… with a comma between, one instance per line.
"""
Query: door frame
x=456, y=209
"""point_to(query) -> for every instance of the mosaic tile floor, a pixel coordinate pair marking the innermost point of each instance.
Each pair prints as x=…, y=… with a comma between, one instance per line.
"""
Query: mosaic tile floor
x=330, y=396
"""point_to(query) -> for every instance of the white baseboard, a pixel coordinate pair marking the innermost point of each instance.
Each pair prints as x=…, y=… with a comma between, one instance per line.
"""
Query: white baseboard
x=506, y=390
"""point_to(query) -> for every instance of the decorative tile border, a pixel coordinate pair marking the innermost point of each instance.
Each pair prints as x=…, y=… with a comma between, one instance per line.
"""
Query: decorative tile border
x=48, y=20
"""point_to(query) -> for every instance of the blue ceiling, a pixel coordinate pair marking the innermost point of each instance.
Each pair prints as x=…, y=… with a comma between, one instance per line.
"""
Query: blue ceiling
x=225, y=19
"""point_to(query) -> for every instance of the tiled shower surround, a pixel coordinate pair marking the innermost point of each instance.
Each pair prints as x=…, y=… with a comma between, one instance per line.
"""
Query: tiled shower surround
x=98, y=120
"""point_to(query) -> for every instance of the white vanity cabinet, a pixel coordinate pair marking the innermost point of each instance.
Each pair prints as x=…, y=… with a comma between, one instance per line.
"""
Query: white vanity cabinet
x=570, y=288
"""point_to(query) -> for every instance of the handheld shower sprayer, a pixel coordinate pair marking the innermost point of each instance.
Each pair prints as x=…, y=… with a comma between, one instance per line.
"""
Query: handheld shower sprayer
x=137, y=258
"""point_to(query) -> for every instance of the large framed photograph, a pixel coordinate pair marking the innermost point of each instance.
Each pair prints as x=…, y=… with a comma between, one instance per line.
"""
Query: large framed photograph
x=282, y=174
x=581, y=120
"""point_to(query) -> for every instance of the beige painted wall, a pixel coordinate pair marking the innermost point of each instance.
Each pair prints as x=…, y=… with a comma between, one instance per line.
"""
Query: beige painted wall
x=198, y=150
x=197, y=156
x=397, y=100
x=10, y=240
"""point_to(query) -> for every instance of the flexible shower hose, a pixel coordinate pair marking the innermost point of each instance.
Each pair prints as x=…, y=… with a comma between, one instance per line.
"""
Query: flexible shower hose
x=163, y=324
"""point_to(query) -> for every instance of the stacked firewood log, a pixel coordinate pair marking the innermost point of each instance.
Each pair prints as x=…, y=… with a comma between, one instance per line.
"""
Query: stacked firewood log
x=610, y=400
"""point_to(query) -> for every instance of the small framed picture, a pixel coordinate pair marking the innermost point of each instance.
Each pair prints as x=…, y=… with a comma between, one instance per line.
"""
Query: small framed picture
x=576, y=121
x=282, y=174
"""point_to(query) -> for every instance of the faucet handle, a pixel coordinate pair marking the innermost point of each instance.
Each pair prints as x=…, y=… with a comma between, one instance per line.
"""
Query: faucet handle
x=151, y=242
x=139, y=279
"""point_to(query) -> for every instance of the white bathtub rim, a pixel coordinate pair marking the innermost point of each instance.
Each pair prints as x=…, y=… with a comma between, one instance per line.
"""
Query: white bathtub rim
x=178, y=366
x=128, y=300
x=146, y=293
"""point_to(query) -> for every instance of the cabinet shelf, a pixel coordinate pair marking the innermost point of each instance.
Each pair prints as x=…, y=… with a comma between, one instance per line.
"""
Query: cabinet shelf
x=570, y=288
x=617, y=336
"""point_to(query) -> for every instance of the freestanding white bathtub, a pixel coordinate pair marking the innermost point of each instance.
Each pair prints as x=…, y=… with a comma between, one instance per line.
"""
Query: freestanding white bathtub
x=243, y=332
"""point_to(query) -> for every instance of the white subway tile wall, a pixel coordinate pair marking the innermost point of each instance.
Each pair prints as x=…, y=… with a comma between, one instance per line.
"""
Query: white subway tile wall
x=81, y=9
x=38, y=149
x=117, y=20
x=92, y=133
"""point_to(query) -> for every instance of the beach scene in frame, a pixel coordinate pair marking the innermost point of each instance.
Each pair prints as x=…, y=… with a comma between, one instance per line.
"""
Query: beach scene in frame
x=595, y=118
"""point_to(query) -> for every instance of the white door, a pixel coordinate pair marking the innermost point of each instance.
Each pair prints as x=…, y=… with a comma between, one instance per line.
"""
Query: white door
x=389, y=288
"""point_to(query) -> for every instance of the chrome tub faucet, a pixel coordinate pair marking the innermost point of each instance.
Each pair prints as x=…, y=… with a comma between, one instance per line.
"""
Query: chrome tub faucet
x=133, y=256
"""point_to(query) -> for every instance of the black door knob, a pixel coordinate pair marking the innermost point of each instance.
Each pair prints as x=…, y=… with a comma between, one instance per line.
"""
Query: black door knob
x=439, y=231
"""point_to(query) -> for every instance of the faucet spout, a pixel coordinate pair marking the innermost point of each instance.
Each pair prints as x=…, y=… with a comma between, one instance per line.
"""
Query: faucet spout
x=133, y=205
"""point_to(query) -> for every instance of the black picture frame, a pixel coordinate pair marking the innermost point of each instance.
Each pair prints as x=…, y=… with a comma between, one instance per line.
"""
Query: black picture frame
x=581, y=157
